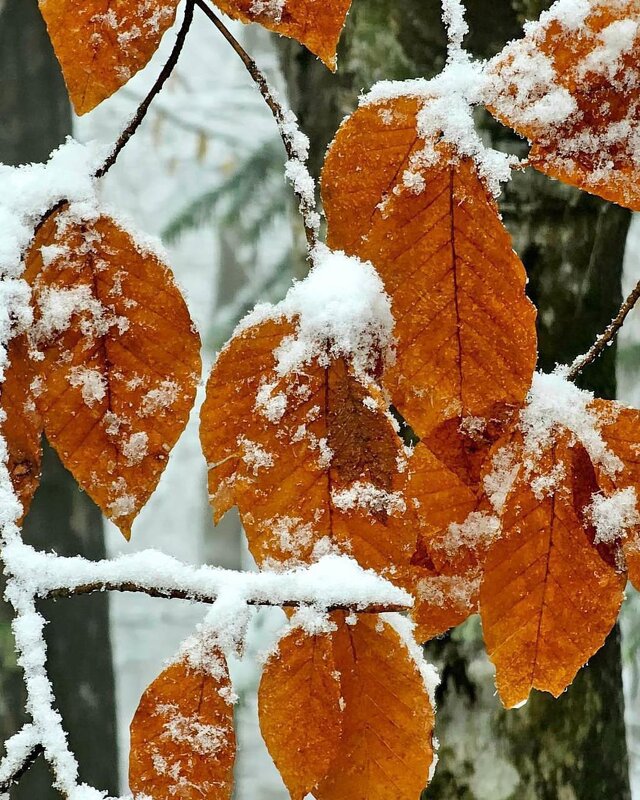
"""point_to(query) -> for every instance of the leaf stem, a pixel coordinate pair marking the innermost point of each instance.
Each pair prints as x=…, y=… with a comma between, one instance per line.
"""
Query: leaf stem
x=143, y=108
x=284, y=119
x=607, y=336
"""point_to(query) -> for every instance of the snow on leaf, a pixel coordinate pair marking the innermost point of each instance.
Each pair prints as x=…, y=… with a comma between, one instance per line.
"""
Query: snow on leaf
x=571, y=86
x=100, y=46
x=182, y=738
x=300, y=709
x=100, y=357
x=465, y=331
x=317, y=24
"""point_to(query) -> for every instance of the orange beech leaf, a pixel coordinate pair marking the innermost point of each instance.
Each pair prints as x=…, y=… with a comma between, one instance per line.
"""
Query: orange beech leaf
x=317, y=24
x=119, y=359
x=465, y=331
x=182, y=738
x=300, y=712
x=571, y=86
x=101, y=45
x=22, y=426
x=386, y=749
x=311, y=458
x=548, y=597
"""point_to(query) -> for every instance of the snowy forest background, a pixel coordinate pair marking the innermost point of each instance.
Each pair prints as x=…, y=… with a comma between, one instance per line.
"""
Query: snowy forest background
x=205, y=173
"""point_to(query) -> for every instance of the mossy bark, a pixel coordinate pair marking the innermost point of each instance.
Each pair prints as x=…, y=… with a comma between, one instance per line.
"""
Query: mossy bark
x=34, y=119
x=572, y=245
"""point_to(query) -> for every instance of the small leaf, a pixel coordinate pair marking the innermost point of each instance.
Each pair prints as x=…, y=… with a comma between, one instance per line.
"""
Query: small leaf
x=311, y=457
x=466, y=340
x=101, y=45
x=571, y=87
x=386, y=747
x=22, y=427
x=314, y=23
x=548, y=597
x=119, y=361
x=300, y=712
x=182, y=738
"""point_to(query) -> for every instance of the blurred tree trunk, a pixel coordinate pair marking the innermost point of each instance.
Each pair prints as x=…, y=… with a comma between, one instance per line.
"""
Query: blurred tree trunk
x=572, y=245
x=35, y=119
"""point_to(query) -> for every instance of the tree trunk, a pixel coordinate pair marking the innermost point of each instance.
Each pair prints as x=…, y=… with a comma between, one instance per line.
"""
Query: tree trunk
x=572, y=245
x=35, y=119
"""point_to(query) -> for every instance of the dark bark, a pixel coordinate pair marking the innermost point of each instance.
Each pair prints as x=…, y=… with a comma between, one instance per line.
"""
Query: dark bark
x=572, y=245
x=35, y=118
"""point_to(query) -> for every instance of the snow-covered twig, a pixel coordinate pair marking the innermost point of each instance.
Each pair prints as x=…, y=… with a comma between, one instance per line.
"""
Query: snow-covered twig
x=21, y=750
x=296, y=144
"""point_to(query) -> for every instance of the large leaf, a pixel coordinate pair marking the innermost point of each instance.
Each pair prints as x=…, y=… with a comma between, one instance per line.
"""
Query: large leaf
x=100, y=45
x=119, y=359
x=466, y=341
x=182, y=739
x=386, y=747
x=571, y=87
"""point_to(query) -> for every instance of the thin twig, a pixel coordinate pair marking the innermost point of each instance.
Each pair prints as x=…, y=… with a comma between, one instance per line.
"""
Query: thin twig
x=24, y=767
x=181, y=594
x=607, y=336
x=162, y=78
x=274, y=105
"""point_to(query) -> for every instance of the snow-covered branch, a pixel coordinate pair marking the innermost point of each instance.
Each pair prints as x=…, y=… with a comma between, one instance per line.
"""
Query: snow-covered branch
x=334, y=582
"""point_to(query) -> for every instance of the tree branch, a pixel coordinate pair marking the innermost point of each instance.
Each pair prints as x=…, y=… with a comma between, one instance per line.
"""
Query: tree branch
x=162, y=78
x=29, y=761
x=283, y=120
x=606, y=337
x=210, y=598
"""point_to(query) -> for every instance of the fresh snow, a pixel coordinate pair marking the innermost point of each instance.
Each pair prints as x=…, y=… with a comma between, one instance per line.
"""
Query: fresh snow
x=340, y=310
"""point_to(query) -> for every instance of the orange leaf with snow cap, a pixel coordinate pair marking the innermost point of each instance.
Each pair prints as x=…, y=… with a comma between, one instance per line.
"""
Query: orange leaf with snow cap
x=548, y=597
x=552, y=585
x=298, y=435
x=571, y=86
